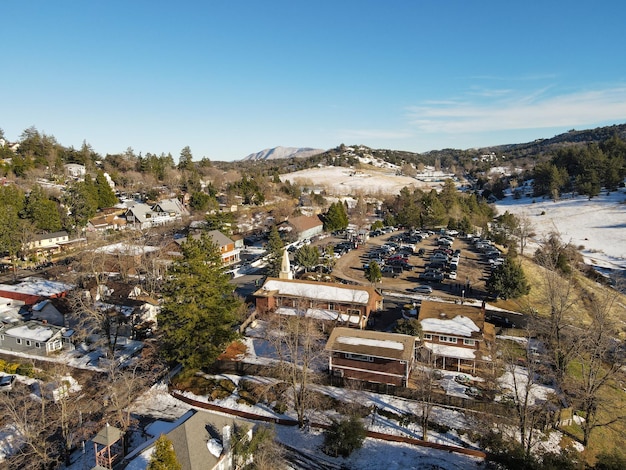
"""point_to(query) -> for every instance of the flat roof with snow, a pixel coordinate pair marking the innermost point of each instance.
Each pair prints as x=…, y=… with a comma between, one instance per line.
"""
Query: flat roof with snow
x=37, y=286
x=318, y=291
x=32, y=332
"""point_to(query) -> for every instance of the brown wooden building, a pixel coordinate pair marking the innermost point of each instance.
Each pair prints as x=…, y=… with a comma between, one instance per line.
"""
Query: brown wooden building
x=456, y=337
x=371, y=356
x=339, y=303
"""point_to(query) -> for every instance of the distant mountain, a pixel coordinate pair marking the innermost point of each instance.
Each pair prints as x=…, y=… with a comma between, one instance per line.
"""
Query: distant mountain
x=283, y=152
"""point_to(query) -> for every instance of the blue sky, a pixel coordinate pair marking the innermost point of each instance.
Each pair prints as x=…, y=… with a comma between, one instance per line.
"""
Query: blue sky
x=229, y=78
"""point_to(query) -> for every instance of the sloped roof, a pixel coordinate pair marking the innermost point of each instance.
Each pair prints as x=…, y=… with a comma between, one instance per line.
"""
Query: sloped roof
x=372, y=343
x=304, y=222
x=460, y=320
x=107, y=435
x=50, y=236
x=140, y=211
x=190, y=438
x=170, y=205
x=218, y=238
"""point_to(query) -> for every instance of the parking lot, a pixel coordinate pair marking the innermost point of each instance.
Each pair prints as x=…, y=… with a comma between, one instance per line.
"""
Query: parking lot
x=470, y=278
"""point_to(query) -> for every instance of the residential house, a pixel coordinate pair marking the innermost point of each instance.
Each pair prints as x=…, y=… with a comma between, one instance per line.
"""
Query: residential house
x=107, y=220
x=371, y=356
x=139, y=216
x=172, y=208
x=332, y=302
x=202, y=440
x=456, y=337
x=31, y=290
x=229, y=251
x=302, y=227
x=46, y=244
x=33, y=337
x=51, y=311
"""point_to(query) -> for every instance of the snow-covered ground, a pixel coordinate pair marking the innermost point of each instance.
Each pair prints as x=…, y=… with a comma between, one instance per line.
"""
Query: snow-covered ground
x=597, y=224
x=346, y=181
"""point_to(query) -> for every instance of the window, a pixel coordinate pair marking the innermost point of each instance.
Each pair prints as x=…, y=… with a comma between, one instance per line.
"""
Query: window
x=469, y=342
x=428, y=336
x=359, y=357
x=331, y=305
x=18, y=340
x=27, y=342
x=447, y=339
x=38, y=345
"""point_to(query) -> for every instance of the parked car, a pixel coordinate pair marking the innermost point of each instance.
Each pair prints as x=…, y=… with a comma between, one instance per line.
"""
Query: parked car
x=451, y=275
x=421, y=289
x=6, y=382
x=431, y=276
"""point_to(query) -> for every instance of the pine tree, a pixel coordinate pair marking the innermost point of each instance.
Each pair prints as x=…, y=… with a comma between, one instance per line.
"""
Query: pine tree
x=274, y=252
x=105, y=194
x=307, y=256
x=42, y=211
x=373, y=273
x=508, y=280
x=200, y=309
x=163, y=457
x=336, y=218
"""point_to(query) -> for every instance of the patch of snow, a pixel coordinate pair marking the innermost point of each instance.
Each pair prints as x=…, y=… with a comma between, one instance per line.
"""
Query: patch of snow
x=459, y=325
x=375, y=343
x=215, y=447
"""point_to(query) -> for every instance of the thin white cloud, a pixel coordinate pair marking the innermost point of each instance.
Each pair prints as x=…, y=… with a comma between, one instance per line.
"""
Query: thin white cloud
x=531, y=111
x=374, y=134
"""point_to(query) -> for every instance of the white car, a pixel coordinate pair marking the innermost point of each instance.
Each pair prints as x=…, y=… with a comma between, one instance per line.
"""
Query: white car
x=451, y=275
x=421, y=289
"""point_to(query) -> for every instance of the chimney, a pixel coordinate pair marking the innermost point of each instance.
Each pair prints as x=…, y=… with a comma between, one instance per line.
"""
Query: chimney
x=226, y=439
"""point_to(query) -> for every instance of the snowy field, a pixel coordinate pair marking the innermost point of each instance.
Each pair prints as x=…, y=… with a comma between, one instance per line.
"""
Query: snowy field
x=598, y=224
x=343, y=181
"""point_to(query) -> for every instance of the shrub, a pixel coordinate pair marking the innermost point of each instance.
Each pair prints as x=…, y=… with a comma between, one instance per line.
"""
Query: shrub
x=25, y=369
x=3, y=365
x=344, y=437
x=280, y=407
x=11, y=368
x=610, y=461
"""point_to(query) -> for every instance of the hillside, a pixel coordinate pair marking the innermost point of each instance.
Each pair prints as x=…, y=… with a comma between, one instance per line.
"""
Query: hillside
x=290, y=159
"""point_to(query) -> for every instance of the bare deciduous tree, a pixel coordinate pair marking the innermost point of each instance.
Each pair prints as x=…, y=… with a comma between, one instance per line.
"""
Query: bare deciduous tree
x=299, y=344
x=599, y=361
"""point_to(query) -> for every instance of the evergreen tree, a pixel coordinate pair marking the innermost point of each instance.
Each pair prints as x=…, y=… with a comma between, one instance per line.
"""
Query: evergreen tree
x=336, y=218
x=103, y=191
x=200, y=307
x=185, y=161
x=221, y=221
x=508, y=280
x=373, y=273
x=163, y=457
x=274, y=252
x=43, y=212
x=344, y=437
x=307, y=256
x=82, y=203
